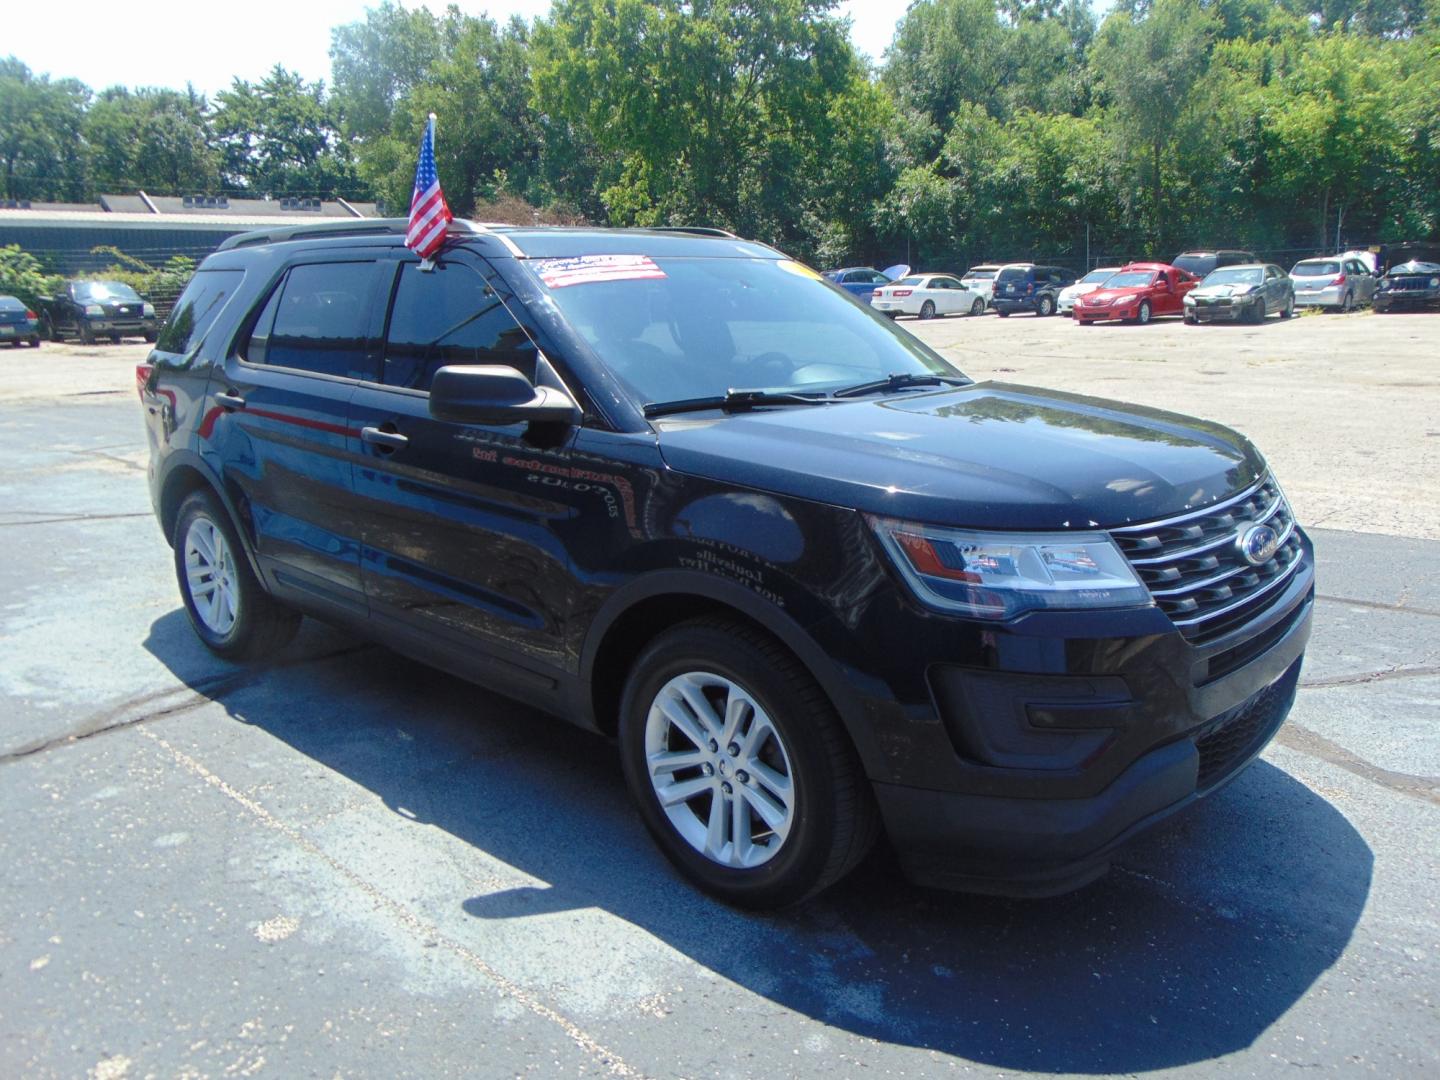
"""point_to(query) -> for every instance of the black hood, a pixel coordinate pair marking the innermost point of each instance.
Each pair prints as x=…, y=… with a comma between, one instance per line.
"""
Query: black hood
x=990, y=455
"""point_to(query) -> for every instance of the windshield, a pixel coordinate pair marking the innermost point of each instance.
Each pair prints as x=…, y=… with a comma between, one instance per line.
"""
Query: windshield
x=1252, y=275
x=1199, y=265
x=979, y=275
x=680, y=328
x=1315, y=269
x=1095, y=277
x=1414, y=268
x=104, y=290
x=1130, y=279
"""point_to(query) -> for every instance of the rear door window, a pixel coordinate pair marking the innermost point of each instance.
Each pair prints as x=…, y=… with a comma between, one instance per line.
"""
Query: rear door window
x=318, y=320
x=449, y=315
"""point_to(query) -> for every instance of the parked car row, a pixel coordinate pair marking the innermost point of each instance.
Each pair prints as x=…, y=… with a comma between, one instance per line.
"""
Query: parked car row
x=1225, y=284
x=90, y=310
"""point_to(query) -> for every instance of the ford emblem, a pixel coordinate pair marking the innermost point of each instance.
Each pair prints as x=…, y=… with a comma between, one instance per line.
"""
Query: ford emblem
x=1258, y=544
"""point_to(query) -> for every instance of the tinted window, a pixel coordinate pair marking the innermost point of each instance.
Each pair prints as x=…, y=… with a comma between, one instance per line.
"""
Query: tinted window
x=449, y=316
x=317, y=320
x=1317, y=268
x=1199, y=265
x=1013, y=273
x=197, y=308
x=980, y=275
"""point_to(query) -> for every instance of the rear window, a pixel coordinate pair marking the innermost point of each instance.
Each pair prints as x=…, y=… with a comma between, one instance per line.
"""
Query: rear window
x=1316, y=268
x=1014, y=273
x=199, y=305
x=910, y=281
x=979, y=275
x=317, y=320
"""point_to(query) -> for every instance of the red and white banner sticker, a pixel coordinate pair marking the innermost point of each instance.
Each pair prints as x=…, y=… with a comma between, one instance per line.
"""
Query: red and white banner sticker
x=585, y=269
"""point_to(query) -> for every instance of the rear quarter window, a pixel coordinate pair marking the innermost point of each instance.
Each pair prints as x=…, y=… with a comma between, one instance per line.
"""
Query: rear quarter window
x=1014, y=273
x=197, y=309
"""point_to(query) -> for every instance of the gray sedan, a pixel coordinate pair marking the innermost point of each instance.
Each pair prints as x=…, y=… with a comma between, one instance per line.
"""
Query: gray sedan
x=1246, y=292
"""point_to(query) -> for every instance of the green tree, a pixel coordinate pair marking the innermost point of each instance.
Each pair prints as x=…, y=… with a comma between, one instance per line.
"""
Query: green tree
x=376, y=62
x=153, y=139
x=280, y=137
x=1147, y=70
x=41, y=154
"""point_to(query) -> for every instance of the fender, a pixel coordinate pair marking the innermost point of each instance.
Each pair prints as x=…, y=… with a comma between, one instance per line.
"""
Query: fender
x=178, y=458
x=840, y=687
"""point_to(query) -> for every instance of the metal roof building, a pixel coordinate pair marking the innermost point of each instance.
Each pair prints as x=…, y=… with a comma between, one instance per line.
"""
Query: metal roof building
x=151, y=228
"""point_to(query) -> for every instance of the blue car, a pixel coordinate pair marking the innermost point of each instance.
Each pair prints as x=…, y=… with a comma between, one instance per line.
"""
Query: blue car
x=18, y=323
x=864, y=280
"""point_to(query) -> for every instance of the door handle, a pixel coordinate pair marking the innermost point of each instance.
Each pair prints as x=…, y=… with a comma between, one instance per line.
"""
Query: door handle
x=230, y=400
x=386, y=440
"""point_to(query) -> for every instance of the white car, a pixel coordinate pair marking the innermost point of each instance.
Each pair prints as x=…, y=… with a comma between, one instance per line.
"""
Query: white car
x=1065, y=304
x=927, y=295
x=981, y=279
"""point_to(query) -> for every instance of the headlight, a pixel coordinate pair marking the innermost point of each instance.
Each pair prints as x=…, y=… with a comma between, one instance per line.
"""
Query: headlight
x=148, y=310
x=1189, y=300
x=94, y=309
x=1435, y=283
x=999, y=576
x=1099, y=301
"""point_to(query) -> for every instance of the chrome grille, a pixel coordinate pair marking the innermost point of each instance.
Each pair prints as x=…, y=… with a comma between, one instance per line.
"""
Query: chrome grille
x=1193, y=567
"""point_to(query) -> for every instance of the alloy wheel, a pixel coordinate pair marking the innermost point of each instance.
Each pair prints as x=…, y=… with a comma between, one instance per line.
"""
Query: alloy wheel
x=210, y=576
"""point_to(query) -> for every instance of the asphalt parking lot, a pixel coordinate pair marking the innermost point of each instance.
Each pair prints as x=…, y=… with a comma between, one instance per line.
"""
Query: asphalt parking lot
x=345, y=864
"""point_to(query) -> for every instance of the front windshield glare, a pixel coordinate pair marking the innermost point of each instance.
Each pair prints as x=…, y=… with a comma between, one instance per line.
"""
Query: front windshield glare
x=1095, y=277
x=1129, y=280
x=1234, y=277
x=106, y=290
x=682, y=328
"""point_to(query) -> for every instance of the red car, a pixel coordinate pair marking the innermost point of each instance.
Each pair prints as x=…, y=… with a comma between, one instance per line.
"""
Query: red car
x=1138, y=293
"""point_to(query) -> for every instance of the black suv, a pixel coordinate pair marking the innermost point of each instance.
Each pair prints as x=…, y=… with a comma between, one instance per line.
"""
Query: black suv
x=1201, y=263
x=1028, y=287
x=671, y=486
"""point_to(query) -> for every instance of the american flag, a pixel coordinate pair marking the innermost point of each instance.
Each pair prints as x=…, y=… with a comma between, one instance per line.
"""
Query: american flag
x=429, y=213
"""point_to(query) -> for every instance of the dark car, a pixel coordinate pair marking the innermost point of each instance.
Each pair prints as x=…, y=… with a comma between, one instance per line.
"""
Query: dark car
x=1411, y=285
x=816, y=583
x=862, y=281
x=1200, y=263
x=18, y=324
x=1028, y=287
x=1243, y=293
x=94, y=309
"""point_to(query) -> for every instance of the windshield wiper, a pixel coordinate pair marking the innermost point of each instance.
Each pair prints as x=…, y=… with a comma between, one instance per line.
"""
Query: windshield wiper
x=733, y=401
x=900, y=381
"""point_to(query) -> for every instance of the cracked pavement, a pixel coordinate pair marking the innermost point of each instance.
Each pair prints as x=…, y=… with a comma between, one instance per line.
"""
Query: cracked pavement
x=342, y=863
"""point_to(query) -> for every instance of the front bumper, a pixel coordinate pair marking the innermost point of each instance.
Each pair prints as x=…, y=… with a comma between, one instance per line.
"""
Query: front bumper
x=1110, y=313
x=121, y=325
x=1160, y=722
x=1220, y=310
x=1414, y=299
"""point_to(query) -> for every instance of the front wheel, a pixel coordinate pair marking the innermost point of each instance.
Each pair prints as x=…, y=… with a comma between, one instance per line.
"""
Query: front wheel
x=1258, y=312
x=1143, y=315
x=229, y=609
x=927, y=309
x=87, y=336
x=739, y=766
x=978, y=307
x=1289, y=309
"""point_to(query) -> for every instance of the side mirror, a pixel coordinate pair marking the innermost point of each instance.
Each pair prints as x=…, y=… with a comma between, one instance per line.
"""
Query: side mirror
x=495, y=394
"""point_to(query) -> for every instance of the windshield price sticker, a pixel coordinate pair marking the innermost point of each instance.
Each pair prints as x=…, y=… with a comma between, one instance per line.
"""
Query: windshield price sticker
x=587, y=269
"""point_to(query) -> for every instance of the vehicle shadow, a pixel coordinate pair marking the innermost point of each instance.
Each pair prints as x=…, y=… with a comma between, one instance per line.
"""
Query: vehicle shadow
x=1205, y=933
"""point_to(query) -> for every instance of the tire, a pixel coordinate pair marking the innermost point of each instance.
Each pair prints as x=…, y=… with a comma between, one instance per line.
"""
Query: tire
x=800, y=846
x=87, y=336
x=927, y=309
x=47, y=328
x=1348, y=304
x=244, y=622
x=1258, y=312
x=151, y=336
x=34, y=342
x=1190, y=320
x=114, y=339
x=1289, y=309
x=1142, y=314
x=1002, y=313
x=1045, y=306
x=978, y=307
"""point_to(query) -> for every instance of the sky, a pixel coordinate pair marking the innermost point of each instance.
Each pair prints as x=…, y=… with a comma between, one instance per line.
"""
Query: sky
x=159, y=43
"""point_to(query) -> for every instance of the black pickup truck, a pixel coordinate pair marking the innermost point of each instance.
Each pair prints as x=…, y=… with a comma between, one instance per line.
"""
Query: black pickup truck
x=91, y=310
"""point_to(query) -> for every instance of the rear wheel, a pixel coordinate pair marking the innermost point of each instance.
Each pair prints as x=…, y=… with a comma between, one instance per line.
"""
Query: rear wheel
x=740, y=768
x=978, y=306
x=229, y=609
x=927, y=309
x=1348, y=304
x=35, y=342
x=1046, y=306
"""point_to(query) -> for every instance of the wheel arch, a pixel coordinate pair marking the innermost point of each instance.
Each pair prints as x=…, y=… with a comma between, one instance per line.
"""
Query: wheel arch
x=186, y=474
x=639, y=613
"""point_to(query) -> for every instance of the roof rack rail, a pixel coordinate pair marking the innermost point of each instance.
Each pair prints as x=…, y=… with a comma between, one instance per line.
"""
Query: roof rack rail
x=335, y=230
x=698, y=230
